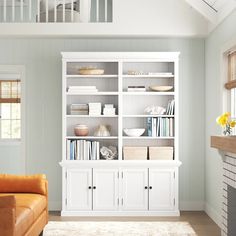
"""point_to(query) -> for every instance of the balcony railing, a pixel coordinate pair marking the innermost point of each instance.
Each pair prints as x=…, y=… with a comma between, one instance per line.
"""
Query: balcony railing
x=45, y=11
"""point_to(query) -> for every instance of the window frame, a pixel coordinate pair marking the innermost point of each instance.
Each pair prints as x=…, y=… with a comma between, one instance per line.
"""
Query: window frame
x=12, y=72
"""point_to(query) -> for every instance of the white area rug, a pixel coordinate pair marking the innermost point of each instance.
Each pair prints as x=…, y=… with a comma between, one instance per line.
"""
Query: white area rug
x=116, y=228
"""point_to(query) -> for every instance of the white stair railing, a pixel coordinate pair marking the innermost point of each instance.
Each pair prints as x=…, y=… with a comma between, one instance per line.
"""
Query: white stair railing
x=44, y=11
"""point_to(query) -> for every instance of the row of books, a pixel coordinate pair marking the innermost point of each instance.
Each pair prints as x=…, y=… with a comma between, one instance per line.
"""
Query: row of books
x=82, y=150
x=160, y=127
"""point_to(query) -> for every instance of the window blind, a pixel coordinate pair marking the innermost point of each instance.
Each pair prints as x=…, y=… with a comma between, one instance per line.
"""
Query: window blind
x=10, y=91
x=231, y=71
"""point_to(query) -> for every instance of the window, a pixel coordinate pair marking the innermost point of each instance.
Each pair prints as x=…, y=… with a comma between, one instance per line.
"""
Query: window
x=231, y=84
x=10, y=107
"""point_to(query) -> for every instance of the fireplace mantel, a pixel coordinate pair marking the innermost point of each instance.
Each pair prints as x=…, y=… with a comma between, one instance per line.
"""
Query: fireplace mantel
x=224, y=143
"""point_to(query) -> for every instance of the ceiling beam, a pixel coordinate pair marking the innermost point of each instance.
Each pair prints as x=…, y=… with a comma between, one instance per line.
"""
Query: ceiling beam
x=204, y=9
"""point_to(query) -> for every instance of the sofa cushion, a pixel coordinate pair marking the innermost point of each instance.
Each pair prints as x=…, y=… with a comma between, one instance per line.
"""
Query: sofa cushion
x=28, y=208
x=22, y=184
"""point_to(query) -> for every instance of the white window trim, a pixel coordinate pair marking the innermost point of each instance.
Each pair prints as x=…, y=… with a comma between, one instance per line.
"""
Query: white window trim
x=19, y=72
x=226, y=94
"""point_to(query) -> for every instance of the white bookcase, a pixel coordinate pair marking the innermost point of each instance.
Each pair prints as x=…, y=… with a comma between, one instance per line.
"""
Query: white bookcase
x=120, y=187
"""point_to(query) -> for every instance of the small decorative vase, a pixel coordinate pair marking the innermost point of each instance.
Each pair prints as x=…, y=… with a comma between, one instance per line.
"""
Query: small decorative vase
x=81, y=130
x=102, y=131
x=227, y=130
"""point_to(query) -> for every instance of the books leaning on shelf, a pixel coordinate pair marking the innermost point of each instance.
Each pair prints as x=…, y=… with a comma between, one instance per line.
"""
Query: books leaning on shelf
x=82, y=150
x=82, y=89
x=160, y=127
x=170, y=110
x=79, y=109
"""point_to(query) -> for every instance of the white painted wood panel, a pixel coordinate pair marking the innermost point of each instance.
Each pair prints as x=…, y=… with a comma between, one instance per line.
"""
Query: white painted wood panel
x=134, y=193
x=161, y=189
x=105, y=189
x=79, y=195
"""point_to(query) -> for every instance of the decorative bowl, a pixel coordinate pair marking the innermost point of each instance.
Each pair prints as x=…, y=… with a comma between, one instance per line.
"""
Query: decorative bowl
x=136, y=132
x=91, y=71
x=81, y=130
x=161, y=88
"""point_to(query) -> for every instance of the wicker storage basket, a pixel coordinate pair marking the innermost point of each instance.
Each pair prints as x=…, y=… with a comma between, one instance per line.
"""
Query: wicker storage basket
x=161, y=153
x=135, y=153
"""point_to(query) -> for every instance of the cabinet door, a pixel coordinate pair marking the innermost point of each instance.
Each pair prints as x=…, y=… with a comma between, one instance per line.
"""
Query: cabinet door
x=79, y=191
x=161, y=189
x=134, y=189
x=105, y=189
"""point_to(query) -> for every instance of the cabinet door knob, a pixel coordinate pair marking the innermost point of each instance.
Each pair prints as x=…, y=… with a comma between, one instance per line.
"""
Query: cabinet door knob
x=89, y=187
x=94, y=187
x=146, y=187
x=150, y=187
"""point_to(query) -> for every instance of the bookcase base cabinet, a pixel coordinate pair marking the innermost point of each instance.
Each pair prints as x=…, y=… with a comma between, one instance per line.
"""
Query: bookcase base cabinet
x=125, y=191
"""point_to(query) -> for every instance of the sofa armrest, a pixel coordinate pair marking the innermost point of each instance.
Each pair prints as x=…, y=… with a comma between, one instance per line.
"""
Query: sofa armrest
x=7, y=215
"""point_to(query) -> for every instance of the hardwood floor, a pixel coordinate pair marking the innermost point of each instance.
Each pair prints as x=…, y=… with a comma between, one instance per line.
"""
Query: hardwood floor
x=200, y=221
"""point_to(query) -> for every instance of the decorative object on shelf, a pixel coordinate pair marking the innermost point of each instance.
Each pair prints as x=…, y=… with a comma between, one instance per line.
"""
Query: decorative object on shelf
x=79, y=109
x=135, y=153
x=136, y=89
x=136, y=132
x=161, y=88
x=161, y=153
x=155, y=110
x=90, y=70
x=134, y=72
x=226, y=123
x=109, y=153
x=81, y=130
x=102, y=131
x=109, y=110
x=95, y=108
x=82, y=89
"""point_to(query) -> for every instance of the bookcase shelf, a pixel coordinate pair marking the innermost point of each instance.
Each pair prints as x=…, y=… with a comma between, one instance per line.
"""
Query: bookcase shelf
x=102, y=161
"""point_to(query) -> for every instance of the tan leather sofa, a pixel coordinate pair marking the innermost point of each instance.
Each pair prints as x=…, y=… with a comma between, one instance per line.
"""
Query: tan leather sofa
x=23, y=205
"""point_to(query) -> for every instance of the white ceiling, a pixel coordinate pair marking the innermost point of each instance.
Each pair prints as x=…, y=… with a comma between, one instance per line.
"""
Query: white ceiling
x=214, y=11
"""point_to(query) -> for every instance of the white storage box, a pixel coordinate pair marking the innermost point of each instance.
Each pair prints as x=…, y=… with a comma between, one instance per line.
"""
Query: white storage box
x=161, y=153
x=135, y=153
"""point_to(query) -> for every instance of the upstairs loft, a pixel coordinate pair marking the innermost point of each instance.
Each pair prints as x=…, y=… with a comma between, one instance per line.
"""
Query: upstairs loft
x=111, y=18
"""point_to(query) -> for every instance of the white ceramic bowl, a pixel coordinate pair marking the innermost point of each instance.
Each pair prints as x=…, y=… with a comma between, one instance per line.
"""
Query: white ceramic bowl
x=134, y=132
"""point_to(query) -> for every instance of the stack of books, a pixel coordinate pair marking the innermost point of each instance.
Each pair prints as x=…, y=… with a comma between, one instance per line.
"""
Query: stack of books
x=82, y=89
x=82, y=150
x=95, y=108
x=160, y=127
x=109, y=110
x=79, y=109
x=170, y=110
x=136, y=89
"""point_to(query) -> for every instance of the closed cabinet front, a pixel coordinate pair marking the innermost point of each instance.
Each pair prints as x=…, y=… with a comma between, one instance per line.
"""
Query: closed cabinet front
x=135, y=189
x=105, y=189
x=161, y=189
x=79, y=192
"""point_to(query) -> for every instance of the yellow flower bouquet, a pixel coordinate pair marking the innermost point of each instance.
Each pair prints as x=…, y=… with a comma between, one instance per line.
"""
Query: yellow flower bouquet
x=226, y=122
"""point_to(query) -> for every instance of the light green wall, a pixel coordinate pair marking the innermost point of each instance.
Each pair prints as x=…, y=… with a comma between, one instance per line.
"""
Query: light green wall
x=43, y=105
x=215, y=43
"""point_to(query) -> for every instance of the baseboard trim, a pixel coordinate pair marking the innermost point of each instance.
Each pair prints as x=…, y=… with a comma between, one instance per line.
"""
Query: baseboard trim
x=213, y=214
x=192, y=206
x=54, y=206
